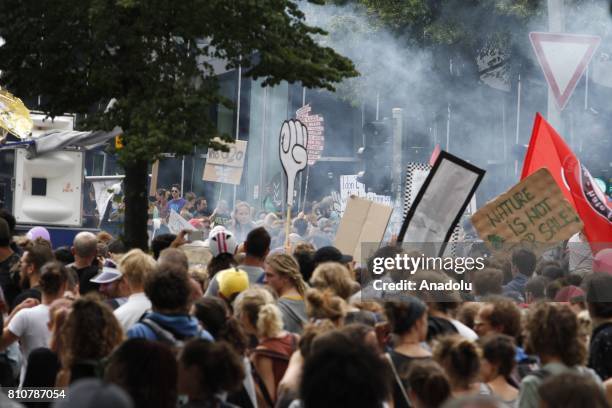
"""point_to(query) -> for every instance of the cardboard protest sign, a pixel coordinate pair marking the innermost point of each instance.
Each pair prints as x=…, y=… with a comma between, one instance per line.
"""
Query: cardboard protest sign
x=363, y=222
x=534, y=211
x=226, y=167
x=154, y=176
x=440, y=202
x=316, y=130
x=292, y=143
x=176, y=223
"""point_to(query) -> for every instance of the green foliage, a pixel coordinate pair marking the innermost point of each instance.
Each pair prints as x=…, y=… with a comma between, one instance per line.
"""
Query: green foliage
x=151, y=56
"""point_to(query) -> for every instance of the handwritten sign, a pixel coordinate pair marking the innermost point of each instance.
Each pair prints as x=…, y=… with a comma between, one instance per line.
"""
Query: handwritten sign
x=226, y=167
x=349, y=186
x=176, y=223
x=533, y=211
x=316, y=130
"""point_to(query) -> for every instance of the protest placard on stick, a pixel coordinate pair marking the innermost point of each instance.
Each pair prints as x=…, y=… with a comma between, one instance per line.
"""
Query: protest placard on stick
x=226, y=167
x=363, y=221
x=533, y=211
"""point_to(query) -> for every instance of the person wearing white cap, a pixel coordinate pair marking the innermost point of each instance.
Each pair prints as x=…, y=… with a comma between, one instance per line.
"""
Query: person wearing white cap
x=113, y=286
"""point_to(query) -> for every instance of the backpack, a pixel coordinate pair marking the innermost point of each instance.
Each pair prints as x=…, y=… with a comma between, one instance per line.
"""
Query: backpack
x=166, y=336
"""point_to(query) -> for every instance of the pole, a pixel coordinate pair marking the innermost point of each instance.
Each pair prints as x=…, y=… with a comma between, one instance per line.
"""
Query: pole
x=287, y=227
x=518, y=121
x=586, y=88
x=377, y=104
x=300, y=179
x=263, y=145
x=555, y=25
x=448, y=119
x=396, y=171
x=237, y=120
x=306, y=187
x=183, y=176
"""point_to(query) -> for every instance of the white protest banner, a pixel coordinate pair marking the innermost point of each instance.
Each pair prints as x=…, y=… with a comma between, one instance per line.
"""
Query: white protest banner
x=316, y=130
x=102, y=193
x=176, y=223
x=440, y=202
x=226, y=167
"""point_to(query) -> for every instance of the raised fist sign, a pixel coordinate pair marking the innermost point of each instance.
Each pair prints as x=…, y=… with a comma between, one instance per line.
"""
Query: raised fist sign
x=293, y=154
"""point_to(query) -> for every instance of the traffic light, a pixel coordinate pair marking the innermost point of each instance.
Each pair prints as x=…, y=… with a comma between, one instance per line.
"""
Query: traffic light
x=376, y=156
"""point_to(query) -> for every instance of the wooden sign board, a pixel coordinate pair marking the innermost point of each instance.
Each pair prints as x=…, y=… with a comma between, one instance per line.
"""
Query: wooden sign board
x=363, y=222
x=533, y=211
x=226, y=167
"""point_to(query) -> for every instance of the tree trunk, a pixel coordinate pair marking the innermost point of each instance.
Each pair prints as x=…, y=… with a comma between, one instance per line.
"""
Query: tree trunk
x=136, y=205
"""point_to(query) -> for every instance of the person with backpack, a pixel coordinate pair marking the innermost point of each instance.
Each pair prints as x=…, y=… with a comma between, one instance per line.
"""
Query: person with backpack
x=168, y=289
x=259, y=315
x=552, y=334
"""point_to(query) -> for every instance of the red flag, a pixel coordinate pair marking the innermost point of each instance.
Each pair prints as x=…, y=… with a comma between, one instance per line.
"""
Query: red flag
x=547, y=149
x=434, y=155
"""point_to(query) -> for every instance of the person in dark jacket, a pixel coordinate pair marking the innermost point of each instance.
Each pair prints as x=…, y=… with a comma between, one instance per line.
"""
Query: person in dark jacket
x=599, y=302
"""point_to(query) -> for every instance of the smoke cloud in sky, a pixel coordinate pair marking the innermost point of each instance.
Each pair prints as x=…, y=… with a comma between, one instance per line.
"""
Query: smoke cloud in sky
x=483, y=124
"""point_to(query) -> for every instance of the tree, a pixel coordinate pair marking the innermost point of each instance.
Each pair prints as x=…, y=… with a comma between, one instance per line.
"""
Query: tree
x=151, y=56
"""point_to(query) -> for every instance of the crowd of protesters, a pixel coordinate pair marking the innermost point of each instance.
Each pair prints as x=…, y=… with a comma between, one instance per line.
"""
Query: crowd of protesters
x=267, y=321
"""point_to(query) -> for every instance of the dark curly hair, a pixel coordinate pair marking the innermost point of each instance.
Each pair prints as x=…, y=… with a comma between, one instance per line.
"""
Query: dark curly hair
x=168, y=288
x=499, y=350
x=504, y=315
x=91, y=332
x=553, y=330
x=212, y=313
x=341, y=372
x=147, y=370
x=219, y=365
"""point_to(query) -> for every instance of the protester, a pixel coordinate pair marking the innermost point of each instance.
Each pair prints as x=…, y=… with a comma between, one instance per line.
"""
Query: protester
x=260, y=317
x=571, y=390
x=212, y=313
x=89, y=335
x=324, y=305
x=552, y=334
x=341, y=372
x=8, y=258
x=523, y=265
x=85, y=250
x=427, y=384
x=208, y=370
x=599, y=301
x=241, y=221
x=32, y=261
x=135, y=267
x=168, y=290
x=487, y=282
x=282, y=274
x=535, y=289
x=147, y=371
x=257, y=247
x=177, y=202
x=29, y=322
x=201, y=208
x=460, y=359
x=496, y=366
x=407, y=318
x=112, y=285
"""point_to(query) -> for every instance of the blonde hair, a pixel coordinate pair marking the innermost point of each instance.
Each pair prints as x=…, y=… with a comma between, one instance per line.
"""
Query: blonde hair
x=286, y=265
x=269, y=321
x=325, y=305
x=136, y=266
x=250, y=303
x=334, y=276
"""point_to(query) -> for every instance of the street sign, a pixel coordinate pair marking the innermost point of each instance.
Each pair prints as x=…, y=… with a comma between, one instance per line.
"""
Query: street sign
x=563, y=58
